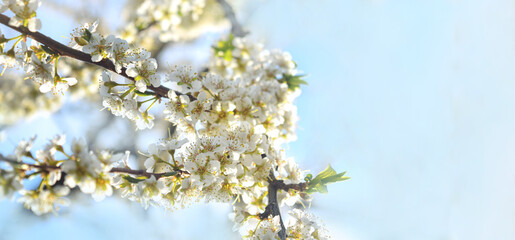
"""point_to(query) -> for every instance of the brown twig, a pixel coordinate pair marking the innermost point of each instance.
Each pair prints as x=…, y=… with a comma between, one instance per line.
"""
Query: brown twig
x=42, y=167
x=66, y=51
x=273, y=204
x=279, y=184
x=48, y=168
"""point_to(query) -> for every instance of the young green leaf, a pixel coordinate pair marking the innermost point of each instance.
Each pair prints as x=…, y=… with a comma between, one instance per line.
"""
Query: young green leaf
x=319, y=183
x=132, y=180
x=292, y=81
x=224, y=48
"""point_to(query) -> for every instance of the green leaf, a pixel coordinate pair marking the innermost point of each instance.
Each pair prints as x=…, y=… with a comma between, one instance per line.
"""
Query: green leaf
x=142, y=94
x=224, y=48
x=48, y=50
x=335, y=178
x=169, y=174
x=308, y=177
x=132, y=180
x=319, y=183
x=322, y=189
x=329, y=171
x=87, y=35
x=293, y=82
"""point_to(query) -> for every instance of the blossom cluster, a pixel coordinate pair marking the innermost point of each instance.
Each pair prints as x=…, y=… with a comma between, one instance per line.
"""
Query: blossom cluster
x=120, y=99
x=230, y=124
x=232, y=166
x=21, y=99
x=135, y=61
x=88, y=170
x=303, y=225
x=245, y=87
x=24, y=13
x=169, y=20
x=10, y=183
x=300, y=225
x=87, y=78
x=38, y=63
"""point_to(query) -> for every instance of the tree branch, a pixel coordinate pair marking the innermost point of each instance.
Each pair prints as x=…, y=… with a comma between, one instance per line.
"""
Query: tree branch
x=143, y=173
x=42, y=167
x=66, y=51
x=279, y=184
x=236, y=28
x=273, y=204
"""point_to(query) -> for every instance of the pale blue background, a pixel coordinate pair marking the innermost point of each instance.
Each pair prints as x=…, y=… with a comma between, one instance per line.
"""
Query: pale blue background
x=415, y=99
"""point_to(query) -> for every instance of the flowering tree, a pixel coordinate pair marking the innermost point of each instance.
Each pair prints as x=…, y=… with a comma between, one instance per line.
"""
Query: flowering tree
x=227, y=123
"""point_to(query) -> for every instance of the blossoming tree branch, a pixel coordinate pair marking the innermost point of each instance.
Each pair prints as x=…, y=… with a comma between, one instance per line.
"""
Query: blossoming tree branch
x=230, y=121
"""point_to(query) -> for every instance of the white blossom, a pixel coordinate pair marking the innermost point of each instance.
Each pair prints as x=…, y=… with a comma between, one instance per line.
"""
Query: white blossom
x=88, y=172
x=10, y=183
x=45, y=201
x=96, y=47
x=24, y=13
x=144, y=73
x=184, y=79
x=118, y=52
x=303, y=225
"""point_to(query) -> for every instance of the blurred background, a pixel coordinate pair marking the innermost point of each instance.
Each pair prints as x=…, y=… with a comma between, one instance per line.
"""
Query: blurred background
x=415, y=99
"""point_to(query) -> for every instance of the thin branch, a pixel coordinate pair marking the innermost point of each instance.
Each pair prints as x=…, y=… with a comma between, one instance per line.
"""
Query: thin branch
x=236, y=28
x=147, y=174
x=64, y=50
x=48, y=168
x=42, y=167
x=273, y=206
x=279, y=184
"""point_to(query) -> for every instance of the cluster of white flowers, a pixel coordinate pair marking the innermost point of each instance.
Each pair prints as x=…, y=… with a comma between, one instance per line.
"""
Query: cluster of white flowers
x=258, y=229
x=121, y=100
x=45, y=201
x=137, y=61
x=154, y=23
x=10, y=183
x=231, y=123
x=37, y=62
x=290, y=173
x=24, y=13
x=233, y=163
x=88, y=170
x=22, y=99
x=247, y=84
x=42, y=71
x=48, y=196
x=12, y=57
x=87, y=78
x=164, y=16
x=303, y=225
x=236, y=117
x=157, y=191
x=217, y=167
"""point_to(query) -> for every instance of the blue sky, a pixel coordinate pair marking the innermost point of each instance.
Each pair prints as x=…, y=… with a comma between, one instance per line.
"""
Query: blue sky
x=415, y=99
